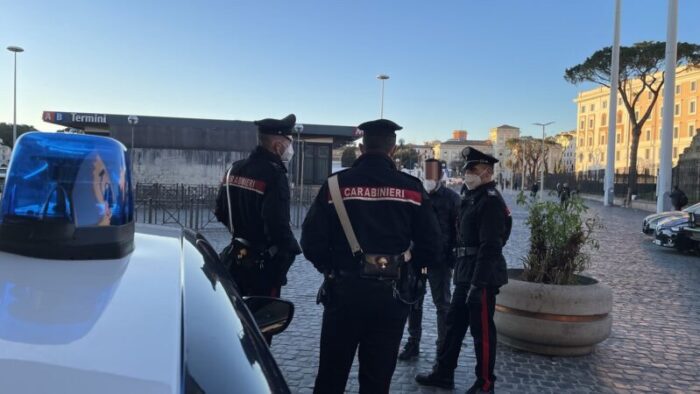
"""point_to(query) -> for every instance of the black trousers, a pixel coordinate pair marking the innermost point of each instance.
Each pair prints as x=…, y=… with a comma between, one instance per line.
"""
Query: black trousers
x=362, y=314
x=439, y=279
x=479, y=316
x=255, y=283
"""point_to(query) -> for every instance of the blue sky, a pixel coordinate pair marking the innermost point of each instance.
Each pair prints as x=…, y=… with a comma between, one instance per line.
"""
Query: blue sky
x=471, y=64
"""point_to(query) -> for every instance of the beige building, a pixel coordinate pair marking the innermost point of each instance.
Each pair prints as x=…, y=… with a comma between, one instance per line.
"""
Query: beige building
x=592, y=125
x=567, y=140
x=450, y=151
x=499, y=136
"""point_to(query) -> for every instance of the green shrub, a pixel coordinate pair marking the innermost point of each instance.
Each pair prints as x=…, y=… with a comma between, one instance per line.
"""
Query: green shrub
x=560, y=239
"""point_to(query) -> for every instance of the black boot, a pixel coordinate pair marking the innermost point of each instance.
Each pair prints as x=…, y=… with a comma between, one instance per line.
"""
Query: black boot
x=477, y=388
x=410, y=351
x=436, y=379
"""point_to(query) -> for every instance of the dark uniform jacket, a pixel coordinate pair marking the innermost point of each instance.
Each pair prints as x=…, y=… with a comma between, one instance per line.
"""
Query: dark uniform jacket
x=259, y=202
x=387, y=208
x=445, y=203
x=484, y=227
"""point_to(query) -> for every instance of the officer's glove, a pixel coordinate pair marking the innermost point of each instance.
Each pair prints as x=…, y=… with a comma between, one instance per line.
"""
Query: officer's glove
x=474, y=295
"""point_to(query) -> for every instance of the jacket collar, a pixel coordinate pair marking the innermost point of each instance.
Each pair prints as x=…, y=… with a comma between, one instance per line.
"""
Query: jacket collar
x=481, y=189
x=374, y=160
x=261, y=153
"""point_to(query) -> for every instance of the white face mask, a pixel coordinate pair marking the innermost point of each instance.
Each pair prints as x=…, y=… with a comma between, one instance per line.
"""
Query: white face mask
x=472, y=180
x=288, y=153
x=429, y=185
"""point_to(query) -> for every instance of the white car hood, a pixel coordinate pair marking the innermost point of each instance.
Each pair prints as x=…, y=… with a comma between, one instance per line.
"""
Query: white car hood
x=108, y=326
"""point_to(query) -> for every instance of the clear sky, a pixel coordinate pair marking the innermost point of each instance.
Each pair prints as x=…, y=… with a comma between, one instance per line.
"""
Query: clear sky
x=471, y=64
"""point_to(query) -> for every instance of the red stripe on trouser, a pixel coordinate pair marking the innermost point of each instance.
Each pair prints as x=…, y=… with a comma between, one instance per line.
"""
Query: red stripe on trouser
x=485, y=351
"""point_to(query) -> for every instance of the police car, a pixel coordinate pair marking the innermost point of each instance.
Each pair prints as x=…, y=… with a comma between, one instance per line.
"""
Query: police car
x=651, y=221
x=91, y=303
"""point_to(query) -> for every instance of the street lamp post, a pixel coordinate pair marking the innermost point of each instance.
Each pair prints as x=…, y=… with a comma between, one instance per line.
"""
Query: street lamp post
x=133, y=121
x=382, y=77
x=14, y=119
x=542, y=170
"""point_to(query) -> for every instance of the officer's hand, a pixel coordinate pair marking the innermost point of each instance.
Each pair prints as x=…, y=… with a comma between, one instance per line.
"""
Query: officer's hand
x=474, y=295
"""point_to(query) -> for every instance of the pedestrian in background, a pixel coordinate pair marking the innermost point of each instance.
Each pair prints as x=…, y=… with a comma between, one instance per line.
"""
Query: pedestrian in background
x=358, y=233
x=678, y=198
x=445, y=204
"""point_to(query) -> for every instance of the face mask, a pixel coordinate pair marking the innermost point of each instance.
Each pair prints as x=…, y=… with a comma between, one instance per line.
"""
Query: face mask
x=288, y=153
x=429, y=185
x=473, y=180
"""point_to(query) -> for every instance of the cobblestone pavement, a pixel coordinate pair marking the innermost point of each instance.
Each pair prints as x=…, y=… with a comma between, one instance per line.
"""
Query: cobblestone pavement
x=654, y=346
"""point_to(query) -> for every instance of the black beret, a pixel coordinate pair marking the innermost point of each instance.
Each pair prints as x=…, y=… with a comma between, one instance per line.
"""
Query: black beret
x=379, y=127
x=474, y=156
x=283, y=126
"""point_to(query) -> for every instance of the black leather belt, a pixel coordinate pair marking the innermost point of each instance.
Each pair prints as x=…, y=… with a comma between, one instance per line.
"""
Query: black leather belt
x=465, y=251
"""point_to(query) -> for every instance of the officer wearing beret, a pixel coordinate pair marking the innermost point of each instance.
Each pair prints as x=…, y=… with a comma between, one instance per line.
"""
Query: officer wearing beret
x=388, y=212
x=445, y=204
x=484, y=228
x=253, y=202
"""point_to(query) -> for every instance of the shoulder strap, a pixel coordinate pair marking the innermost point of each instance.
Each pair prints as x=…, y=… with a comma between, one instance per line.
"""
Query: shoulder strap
x=334, y=188
x=228, y=200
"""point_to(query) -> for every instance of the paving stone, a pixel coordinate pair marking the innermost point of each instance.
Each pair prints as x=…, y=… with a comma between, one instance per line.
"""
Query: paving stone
x=654, y=345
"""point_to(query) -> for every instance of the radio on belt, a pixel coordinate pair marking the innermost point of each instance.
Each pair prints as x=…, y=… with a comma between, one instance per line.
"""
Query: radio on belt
x=67, y=196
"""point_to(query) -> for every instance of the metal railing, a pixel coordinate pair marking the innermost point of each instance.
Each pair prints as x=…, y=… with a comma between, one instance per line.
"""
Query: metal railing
x=193, y=205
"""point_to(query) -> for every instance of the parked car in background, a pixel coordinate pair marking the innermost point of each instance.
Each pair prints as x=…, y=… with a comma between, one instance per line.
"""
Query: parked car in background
x=689, y=237
x=650, y=222
x=667, y=230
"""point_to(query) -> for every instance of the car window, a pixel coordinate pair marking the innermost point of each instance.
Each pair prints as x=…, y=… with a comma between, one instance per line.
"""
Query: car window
x=695, y=208
x=223, y=350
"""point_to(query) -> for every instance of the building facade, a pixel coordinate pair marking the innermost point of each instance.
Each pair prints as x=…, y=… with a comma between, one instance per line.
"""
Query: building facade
x=5, y=153
x=198, y=151
x=499, y=137
x=567, y=140
x=450, y=151
x=592, y=125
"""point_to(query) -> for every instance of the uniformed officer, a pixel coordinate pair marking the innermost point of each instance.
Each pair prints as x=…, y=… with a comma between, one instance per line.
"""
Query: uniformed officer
x=388, y=211
x=253, y=202
x=484, y=227
x=445, y=204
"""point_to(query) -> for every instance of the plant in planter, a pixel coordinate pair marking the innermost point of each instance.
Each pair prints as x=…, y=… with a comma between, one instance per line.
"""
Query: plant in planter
x=548, y=307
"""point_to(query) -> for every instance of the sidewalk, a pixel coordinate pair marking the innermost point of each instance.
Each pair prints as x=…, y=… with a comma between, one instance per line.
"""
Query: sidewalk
x=640, y=205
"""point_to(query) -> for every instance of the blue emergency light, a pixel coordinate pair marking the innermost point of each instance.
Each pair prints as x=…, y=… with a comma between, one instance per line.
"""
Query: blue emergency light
x=67, y=196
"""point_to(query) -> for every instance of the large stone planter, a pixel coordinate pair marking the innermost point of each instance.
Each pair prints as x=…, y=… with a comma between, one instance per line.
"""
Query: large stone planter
x=557, y=320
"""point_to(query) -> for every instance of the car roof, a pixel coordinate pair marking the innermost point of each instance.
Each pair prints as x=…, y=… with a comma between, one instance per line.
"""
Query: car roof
x=94, y=326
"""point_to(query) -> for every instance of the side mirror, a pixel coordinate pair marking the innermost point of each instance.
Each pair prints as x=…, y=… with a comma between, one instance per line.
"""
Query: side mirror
x=272, y=315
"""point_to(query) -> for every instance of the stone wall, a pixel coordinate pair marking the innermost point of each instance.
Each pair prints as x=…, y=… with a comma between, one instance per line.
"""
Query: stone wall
x=687, y=173
x=193, y=167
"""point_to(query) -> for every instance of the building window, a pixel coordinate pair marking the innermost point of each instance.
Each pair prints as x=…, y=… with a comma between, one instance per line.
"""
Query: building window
x=648, y=135
x=618, y=138
x=602, y=139
x=650, y=95
x=605, y=104
x=580, y=157
x=675, y=152
x=691, y=107
x=636, y=115
x=675, y=131
x=583, y=109
x=591, y=122
x=677, y=110
x=592, y=107
x=581, y=142
x=590, y=157
x=619, y=101
x=617, y=155
x=618, y=118
x=693, y=86
x=582, y=125
x=691, y=130
x=646, y=154
x=603, y=119
x=590, y=141
x=678, y=89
